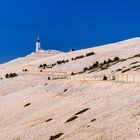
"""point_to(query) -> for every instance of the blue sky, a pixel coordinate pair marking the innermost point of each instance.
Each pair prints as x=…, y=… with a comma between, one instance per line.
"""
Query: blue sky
x=65, y=24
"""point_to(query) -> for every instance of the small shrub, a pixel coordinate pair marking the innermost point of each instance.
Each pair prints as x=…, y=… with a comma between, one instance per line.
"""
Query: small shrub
x=137, y=55
x=48, y=120
x=85, y=69
x=116, y=59
x=56, y=136
x=137, y=69
x=25, y=70
x=104, y=62
x=71, y=119
x=135, y=66
x=82, y=111
x=126, y=70
x=62, y=62
x=78, y=57
x=134, y=63
x=45, y=84
x=40, y=66
x=49, y=78
x=109, y=61
x=65, y=90
x=96, y=64
x=89, y=54
x=44, y=66
x=118, y=70
x=27, y=104
x=105, y=78
x=93, y=120
x=7, y=76
x=72, y=73
x=11, y=75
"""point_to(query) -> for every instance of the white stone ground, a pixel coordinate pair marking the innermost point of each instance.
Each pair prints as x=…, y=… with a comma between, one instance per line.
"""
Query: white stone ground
x=114, y=106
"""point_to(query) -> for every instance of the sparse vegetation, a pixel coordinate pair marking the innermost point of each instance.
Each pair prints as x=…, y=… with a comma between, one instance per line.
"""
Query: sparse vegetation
x=102, y=66
x=119, y=70
x=135, y=66
x=45, y=84
x=40, y=66
x=104, y=78
x=48, y=120
x=56, y=136
x=59, y=62
x=137, y=69
x=134, y=63
x=116, y=59
x=25, y=70
x=44, y=66
x=71, y=119
x=82, y=111
x=126, y=70
x=89, y=54
x=93, y=120
x=11, y=75
x=72, y=73
x=27, y=104
x=78, y=57
x=62, y=62
x=137, y=55
x=82, y=56
x=65, y=90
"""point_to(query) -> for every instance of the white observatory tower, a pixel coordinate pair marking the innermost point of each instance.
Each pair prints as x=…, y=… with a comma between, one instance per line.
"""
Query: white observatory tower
x=38, y=45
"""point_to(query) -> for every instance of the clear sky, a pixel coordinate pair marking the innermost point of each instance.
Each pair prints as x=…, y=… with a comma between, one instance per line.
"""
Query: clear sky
x=65, y=24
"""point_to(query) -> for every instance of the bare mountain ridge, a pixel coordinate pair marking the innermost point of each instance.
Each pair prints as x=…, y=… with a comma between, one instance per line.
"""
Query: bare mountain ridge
x=35, y=108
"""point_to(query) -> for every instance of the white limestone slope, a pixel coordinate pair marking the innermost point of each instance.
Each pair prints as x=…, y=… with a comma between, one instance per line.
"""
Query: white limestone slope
x=113, y=107
x=123, y=49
